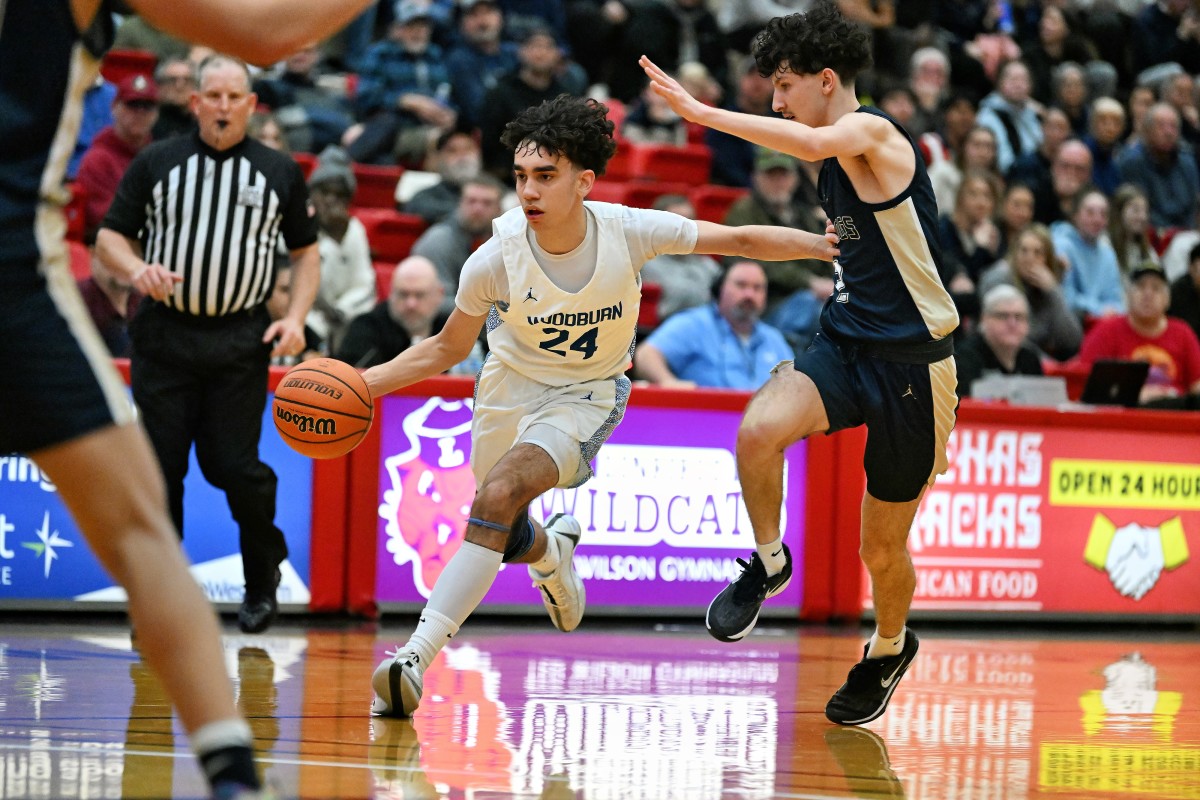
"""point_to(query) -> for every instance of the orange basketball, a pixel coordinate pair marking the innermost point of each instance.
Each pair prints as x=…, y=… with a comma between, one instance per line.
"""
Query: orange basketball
x=322, y=408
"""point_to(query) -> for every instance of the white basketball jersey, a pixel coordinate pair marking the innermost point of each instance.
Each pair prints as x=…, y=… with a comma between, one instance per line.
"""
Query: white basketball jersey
x=558, y=337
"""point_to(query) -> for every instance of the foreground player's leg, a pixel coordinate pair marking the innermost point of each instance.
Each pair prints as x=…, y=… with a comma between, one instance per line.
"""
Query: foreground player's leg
x=111, y=483
x=521, y=475
x=893, y=647
x=786, y=409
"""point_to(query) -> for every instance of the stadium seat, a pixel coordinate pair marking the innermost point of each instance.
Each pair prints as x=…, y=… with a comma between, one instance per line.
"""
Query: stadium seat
x=390, y=233
x=376, y=185
x=620, y=166
x=307, y=162
x=74, y=212
x=120, y=64
x=712, y=202
x=648, y=310
x=383, y=278
x=81, y=259
x=689, y=164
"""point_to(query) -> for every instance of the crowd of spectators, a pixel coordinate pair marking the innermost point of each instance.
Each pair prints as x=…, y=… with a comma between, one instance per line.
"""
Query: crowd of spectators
x=1060, y=137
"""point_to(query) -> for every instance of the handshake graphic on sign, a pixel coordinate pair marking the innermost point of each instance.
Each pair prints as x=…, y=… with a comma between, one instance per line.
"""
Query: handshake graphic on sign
x=1134, y=556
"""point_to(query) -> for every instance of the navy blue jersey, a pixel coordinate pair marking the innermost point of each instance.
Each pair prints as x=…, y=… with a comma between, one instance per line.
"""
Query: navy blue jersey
x=45, y=67
x=886, y=284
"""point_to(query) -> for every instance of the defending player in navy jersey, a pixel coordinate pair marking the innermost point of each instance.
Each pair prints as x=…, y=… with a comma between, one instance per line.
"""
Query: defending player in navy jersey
x=558, y=286
x=883, y=357
x=62, y=402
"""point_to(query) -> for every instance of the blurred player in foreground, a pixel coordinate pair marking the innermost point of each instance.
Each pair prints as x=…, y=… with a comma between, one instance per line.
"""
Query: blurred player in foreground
x=61, y=400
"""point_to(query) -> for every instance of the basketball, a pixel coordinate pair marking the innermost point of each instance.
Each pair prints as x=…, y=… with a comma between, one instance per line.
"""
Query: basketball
x=322, y=408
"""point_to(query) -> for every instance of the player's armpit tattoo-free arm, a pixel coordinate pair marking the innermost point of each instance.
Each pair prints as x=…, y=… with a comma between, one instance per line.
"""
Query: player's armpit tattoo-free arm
x=764, y=242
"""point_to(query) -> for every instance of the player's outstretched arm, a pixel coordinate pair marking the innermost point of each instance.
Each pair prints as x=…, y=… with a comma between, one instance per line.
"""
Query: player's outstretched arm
x=765, y=242
x=851, y=135
x=261, y=32
x=427, y=357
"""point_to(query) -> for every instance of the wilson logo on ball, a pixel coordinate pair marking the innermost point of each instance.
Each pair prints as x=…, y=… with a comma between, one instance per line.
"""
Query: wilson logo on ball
x=306, y=424
x=323, y=408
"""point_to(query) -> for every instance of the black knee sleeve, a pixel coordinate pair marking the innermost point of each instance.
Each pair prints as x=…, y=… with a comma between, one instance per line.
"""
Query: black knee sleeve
x=520, y=538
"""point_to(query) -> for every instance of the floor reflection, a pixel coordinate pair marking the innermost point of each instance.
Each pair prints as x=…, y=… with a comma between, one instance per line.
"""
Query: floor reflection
x=512, y=712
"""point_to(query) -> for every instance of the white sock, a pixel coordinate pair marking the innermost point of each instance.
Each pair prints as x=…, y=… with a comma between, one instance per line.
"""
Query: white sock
x=549, y=560
x=459, y=589
x=433, y=632
x=771, y=554
x=232, y=732
x=880, y=646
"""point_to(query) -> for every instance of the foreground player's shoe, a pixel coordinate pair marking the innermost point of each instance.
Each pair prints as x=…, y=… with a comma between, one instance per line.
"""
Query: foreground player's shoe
x=863, y=757
x=562, y=590
x=733, y=613
x=397, y=684
x=865, y=694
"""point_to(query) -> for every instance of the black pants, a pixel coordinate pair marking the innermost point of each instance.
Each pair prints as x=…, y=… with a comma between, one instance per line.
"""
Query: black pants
x=204, y=381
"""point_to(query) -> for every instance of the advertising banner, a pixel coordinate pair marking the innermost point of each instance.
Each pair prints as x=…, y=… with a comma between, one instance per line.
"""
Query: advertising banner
x=43, y=556
x=1060, y=521
x=663, y=519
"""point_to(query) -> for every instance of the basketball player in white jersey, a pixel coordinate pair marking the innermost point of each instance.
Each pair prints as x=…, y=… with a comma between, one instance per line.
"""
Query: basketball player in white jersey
x=558, y=286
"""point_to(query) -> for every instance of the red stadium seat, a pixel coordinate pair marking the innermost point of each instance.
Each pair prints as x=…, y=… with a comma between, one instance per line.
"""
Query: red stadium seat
x=689, y=164
x=648, y=310
x=307, y=162
x=74, y=212
x=620, y=166
x=81, y=260
x=120, y=64
x=637, y=194
x=383, y=278
x=390, y=233
x=376, y=185
x=713, y=202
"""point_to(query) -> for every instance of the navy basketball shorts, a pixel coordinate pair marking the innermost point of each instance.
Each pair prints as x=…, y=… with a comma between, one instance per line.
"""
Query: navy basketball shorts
x=58, y=381
x=909, y=411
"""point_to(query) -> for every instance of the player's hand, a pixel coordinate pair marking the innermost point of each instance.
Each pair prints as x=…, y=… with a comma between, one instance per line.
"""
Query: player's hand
x=666, y=87
x=826, y=248
x=288, y=336
x=155, y=280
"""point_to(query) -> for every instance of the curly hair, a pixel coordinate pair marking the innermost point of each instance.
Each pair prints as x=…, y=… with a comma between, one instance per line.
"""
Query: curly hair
x=575, y=127
x=808, y=42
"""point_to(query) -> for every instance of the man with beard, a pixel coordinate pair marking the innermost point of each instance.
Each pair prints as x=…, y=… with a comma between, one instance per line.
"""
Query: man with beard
x=449, y=243
x=723, y=344
x=456, y=158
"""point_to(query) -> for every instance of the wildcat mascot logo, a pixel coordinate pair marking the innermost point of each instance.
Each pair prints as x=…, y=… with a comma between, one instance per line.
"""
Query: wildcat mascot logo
x=431, y=491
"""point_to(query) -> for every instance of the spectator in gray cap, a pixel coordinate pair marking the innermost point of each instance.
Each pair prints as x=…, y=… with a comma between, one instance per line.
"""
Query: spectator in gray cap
x=347, y=274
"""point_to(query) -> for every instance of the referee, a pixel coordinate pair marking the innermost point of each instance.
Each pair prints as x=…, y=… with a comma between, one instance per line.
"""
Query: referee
x=194, y=226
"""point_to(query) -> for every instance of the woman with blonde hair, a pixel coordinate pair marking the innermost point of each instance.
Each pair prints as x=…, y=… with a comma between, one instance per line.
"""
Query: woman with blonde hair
x=1033, y=266
x=1129, y=227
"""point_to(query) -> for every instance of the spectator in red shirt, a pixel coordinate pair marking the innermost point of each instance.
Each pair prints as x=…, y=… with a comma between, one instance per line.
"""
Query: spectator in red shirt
x=1146, y=333
x=135, y=110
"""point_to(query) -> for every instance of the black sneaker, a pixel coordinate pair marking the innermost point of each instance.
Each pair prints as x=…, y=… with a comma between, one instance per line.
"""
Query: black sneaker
x=865, y=694
x=732, y=613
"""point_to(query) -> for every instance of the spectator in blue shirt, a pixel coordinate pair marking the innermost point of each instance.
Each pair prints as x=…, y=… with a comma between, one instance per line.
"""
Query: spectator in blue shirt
x=1092, y=284
x=723, y=344
x=480, y=56
x=403, y=91
x=1164, y=166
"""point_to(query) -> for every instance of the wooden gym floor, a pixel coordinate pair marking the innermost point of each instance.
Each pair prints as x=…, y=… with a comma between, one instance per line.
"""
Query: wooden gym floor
x=619, y=711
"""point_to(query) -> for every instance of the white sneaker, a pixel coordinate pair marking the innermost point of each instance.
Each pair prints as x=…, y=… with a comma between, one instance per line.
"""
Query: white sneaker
x=563, y=593
x=397, y=684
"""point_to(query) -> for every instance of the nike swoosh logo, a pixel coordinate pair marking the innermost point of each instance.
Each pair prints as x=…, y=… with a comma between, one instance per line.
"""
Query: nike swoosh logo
x=777, y=552
x=891, y=678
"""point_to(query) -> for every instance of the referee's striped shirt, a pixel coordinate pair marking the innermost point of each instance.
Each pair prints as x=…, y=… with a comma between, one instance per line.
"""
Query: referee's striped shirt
x=214, y=218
